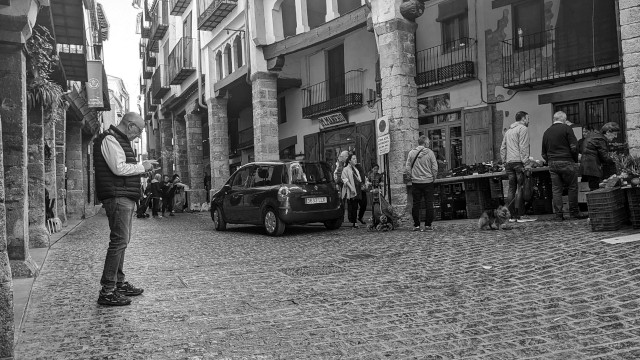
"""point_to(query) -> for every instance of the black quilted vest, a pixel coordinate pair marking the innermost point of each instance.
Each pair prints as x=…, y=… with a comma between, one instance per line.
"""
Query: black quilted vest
x=108, y=184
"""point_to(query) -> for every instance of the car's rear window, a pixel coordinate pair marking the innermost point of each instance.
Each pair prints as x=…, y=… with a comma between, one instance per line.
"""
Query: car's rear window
x=307, y=172
x=267, y=175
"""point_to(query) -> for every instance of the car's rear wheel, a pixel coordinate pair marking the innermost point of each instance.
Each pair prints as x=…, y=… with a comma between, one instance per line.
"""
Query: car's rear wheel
x=218, y=220
x=334, y=224
x=272, y=223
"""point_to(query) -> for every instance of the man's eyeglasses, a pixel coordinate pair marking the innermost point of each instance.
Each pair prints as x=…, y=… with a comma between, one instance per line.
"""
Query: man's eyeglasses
x=139, y=130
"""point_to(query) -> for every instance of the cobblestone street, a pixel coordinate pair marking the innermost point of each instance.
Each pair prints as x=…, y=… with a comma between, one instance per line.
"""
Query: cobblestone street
x=542, y=290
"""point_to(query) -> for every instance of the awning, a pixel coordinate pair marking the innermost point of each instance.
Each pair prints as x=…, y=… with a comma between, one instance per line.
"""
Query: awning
x=103, y=22
x=68, y=21
x=451, y=8
x=287, y=142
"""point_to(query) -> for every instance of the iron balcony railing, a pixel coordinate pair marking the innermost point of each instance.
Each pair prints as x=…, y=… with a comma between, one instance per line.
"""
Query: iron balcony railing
x=446, y=63
x=179, y=6
x=340, y=93
x=212, y=12
x=181, y=64
x=551, y=57
x=159, y=20
x=245, y=138
x=160, y=82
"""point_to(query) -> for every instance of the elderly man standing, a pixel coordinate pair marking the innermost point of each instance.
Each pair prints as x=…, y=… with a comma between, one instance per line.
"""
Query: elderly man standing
x=560, y=151
x=117, y=176
x=515, y=155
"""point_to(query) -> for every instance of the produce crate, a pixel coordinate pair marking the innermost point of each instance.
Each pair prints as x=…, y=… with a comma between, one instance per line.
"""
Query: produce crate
x=474, y=211
x=607, y=209
x=496, y=188
x=542, y=206
x=633, y=196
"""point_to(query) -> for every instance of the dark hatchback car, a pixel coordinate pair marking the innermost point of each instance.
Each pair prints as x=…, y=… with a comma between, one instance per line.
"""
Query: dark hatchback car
x=275, y=194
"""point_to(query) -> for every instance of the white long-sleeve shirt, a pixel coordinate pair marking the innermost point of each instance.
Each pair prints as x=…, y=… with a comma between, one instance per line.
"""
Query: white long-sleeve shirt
x=116, y=159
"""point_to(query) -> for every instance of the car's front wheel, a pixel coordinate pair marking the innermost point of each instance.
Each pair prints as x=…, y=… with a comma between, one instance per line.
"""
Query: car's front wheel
x=218, y=220
x=272, y=223
x=334, y=224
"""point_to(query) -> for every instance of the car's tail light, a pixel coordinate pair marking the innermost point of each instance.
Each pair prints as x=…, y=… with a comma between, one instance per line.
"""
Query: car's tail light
x=283, y=193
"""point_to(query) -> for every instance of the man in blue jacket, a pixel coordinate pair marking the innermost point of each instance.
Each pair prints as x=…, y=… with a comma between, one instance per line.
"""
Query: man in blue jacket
x=117, y=176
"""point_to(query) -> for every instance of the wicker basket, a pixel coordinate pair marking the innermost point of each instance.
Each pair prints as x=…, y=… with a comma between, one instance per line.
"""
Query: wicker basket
x=633, y=197
x=607, y=209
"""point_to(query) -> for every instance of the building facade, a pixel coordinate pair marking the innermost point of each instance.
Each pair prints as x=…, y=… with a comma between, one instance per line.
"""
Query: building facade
x=286, y=78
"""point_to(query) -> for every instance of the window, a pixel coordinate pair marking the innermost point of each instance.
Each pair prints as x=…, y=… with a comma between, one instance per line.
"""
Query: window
x=237, y=46
x=267, y=176
x=592, y=114
x=528, y=24
x=228, y=58
x=445, y=135
x=219, y=65
x=455, y=32
x=282, y=110
x=241, y=178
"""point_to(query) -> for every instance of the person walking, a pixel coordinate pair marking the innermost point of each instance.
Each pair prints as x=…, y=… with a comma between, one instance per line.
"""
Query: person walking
x=155, y=192
x=352, y=188
x=514, y=151
x=167, y=200
x=117, y=176
x=423, y=167
x=560, y=151
x=595, y=161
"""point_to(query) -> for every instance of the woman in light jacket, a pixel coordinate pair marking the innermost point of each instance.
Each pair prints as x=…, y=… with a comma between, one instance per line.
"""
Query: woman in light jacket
x=352, y=184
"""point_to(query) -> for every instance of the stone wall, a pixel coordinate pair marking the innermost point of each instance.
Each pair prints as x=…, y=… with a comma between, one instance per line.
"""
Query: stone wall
x=38, y=235
x=180, y=148
x=265, y=116
x=218, y=142
x=630, y=36
x=75, y=171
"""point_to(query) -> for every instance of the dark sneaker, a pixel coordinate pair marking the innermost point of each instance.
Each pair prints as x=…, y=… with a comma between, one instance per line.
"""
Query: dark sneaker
x=129, y=290
x=362, y=221
x=416, y=228
x=428, y=228
x=113, y=298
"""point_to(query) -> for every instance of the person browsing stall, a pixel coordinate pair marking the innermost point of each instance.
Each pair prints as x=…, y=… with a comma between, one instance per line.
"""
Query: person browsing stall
x=117, y=176
x=423, y=167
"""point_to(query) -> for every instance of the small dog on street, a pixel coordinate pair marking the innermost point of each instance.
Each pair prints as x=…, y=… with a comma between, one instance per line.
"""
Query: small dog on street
x=497, y=217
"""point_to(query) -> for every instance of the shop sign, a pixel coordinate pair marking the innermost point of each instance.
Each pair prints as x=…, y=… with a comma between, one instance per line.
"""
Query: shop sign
x=332, y=120
x=384, y=144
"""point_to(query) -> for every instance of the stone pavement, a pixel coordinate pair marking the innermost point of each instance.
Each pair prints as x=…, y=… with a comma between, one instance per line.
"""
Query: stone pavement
x=540, y=291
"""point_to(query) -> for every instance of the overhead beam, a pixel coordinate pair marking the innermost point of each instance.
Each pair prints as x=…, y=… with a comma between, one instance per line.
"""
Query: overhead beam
x=325, y=32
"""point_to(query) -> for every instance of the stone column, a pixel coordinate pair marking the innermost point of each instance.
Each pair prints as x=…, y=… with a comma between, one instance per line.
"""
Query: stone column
x=165, y=146
x=13, y=91
x=264, y=89
x=61, y=165
x=630, y=39
x=302, y=20
x=194, y=154
x=50, y=182
x=218, y=142
x=180, y=148
x=157, y=150
x=75, y=171
x=396, y=46
x=38, y=235
x=6, y=283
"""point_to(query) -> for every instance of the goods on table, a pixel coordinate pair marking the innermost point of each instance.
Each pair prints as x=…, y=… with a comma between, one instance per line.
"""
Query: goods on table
x=607, y=210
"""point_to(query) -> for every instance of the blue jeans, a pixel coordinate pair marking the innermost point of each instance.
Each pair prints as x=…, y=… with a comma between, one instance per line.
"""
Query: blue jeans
x=515, y=172
x=563, y=175
x=419, y=192
x=120, y=214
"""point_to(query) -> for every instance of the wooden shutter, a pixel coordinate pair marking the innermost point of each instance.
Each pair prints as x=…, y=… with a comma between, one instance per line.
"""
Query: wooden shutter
x=478, y=135
x=366, y=144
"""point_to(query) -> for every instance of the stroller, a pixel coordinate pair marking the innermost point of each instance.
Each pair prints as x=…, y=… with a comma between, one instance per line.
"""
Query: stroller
x=143, y=205
x=383, y=219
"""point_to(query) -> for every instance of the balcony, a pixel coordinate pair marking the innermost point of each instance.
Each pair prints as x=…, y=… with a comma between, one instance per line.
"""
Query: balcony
x=552, y=58
x=447, y=63
x=181, y=64
x=148, y=65
x=212, y=12
x=151, y=103
x=245, y=138
x=179, y=6
x=159, y=20
x=160, y=82
x=341, y=93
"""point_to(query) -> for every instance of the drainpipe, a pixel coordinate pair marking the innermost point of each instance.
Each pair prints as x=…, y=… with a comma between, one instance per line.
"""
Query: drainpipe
x=199, y=67
x=246, y=42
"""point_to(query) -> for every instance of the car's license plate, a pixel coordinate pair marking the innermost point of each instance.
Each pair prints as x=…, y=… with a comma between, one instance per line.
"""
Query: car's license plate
x=315, y=200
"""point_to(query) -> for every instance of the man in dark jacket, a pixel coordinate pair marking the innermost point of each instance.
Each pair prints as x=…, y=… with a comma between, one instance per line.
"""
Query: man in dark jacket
x=595, y=155
x=560, y=151
x=117, y=175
